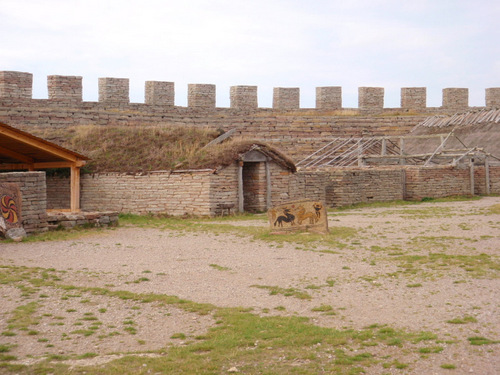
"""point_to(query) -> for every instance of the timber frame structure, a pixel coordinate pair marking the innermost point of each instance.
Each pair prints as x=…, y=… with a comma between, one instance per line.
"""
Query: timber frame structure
x=361, y=152
x=20, y=150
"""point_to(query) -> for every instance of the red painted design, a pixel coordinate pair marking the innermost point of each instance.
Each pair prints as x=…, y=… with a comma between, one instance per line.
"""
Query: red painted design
x=9, y=210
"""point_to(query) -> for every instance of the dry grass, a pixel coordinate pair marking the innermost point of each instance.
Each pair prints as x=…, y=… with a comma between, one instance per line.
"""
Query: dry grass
x=131, y=149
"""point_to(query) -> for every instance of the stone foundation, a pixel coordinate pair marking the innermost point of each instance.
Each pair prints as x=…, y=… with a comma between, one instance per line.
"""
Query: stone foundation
x=67, y=220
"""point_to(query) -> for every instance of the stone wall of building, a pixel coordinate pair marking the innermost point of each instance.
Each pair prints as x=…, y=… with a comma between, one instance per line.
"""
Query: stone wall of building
x=341, y=187
x=202, y=192
x=34, y=199
x=176, y=193
x=437, y=182
x=58, y=193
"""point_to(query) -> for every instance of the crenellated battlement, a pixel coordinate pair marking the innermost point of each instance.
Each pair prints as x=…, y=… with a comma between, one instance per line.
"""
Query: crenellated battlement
x=115, y=91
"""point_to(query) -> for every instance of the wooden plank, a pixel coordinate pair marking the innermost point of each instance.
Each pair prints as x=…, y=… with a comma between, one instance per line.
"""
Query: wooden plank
x=487, y=175
x=268, y=182
x=221, y=138
x=472, y=190
x=75, y=189
x=240, y=187
x=13, y=167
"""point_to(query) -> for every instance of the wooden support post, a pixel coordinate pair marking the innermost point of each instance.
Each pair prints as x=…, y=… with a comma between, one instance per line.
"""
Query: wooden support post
x=472, y=190
x=268, y=186
x=403, y=184
x=240, y=187
x=487, y=175
x=402, y=150
x=360, y=153
x=75, y=189
x=384, y=146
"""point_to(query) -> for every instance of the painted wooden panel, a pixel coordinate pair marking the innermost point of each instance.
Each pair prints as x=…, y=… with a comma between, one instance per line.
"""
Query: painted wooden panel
x=10, y=207
x=305, y=215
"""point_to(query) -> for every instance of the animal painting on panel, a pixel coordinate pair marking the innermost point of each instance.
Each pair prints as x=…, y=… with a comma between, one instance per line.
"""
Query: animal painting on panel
x=299, y=215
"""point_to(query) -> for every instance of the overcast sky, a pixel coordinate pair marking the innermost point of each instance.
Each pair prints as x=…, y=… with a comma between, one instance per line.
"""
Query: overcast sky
x=267, y=43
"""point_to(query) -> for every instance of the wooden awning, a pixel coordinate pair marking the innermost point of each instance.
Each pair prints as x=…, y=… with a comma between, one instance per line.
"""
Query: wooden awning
x=20, y=150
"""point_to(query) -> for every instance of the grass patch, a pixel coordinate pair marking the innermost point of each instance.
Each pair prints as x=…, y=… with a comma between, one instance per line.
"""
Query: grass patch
x=464, y=320
x=431, y=349
x=326, y=309
x=477, y=266
x=494, y=209
x=337, y=237
x=448, y=366
x=241, y=337
x=400, y=203
x=219, y=268
x=287, y=292
x=479, y=340
x=416, y=285
x=23, y=317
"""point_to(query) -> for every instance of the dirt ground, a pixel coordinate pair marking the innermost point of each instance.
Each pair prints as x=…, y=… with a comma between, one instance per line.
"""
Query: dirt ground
x=428, y=267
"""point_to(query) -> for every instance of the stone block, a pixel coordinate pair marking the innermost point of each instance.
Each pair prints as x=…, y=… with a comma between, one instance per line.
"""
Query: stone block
x=114, y=90
x=329, y=97
x=286, y=98
x=371, y=97
x=201, y=96
x=160, y=93
x=16, y=85
x=243, y=97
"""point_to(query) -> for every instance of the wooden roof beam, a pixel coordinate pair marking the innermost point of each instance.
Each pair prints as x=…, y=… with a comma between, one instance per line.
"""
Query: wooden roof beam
x=45, y=165
x=38, y=144
x=15, y=155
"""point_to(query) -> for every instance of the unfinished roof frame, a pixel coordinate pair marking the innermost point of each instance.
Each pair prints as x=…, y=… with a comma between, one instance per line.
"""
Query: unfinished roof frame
x=349, y=152
x=20, y=150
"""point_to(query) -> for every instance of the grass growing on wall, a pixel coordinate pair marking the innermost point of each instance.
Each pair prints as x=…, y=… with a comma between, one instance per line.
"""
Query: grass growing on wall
x=131, y=149
x=135, y=149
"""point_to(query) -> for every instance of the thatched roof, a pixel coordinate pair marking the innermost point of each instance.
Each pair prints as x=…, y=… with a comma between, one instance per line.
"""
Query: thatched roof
x=224, y=154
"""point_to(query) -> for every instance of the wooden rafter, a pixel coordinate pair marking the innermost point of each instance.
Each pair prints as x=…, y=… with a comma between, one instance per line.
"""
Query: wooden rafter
x=37, y=153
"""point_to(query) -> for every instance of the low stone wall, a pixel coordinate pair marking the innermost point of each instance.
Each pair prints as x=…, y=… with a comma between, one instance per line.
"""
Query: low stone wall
x=197, y=192
x=201, y=193
x=340, y=187
x=437, y=182
x=177, y=193
x=34, y=198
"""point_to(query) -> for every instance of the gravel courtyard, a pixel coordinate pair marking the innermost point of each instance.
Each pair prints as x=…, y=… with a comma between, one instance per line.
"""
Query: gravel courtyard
x=430, y=267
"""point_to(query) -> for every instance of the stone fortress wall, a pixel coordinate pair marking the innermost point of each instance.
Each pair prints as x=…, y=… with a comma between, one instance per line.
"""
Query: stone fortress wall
x=296, y=131
x=67, y=90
